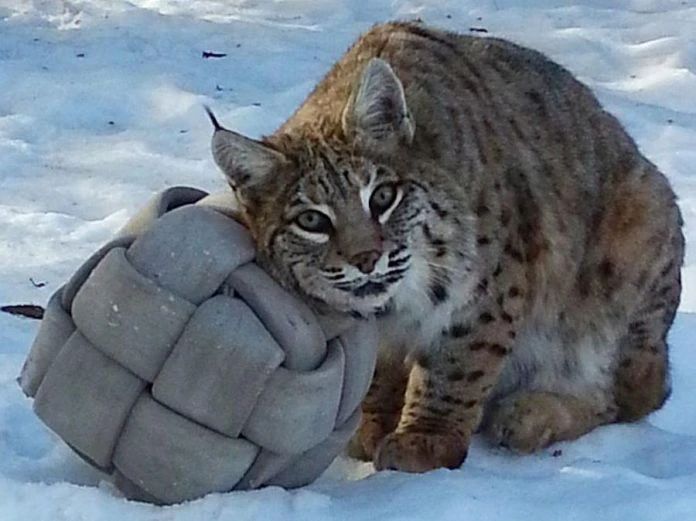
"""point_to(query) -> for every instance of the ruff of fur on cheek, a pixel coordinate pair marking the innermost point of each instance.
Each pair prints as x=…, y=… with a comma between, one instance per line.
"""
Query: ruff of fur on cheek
x=413, y=317
x=437, y=280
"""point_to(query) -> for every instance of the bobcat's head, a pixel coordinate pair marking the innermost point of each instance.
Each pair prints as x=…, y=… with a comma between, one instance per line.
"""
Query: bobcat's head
x=330, y=218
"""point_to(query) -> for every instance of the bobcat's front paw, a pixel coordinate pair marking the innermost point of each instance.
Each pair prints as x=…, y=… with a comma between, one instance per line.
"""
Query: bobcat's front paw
x=420, y=452
x=374, y=427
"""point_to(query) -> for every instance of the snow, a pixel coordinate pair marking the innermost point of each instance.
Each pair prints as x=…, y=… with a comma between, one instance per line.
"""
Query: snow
x=100, y=107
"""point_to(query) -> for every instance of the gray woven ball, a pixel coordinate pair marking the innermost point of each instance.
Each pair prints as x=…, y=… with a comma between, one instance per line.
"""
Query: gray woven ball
x=175, y=363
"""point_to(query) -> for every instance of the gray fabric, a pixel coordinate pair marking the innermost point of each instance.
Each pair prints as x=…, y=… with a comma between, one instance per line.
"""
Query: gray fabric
x=56, y=327
x=359, y=367
x=284, y=316
x=173, y=361
x=191, y=251
x=301, y=405
x=129, y=317
x=309, y=466
x=171, y=457
x=219, y=366
x=293, y=470
x=267, y=465
x=85, y=398
x=133, y=491
x=160, y=204
x=80, y=276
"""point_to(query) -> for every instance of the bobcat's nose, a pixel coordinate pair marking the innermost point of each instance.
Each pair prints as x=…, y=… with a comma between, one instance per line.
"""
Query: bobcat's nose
x=365, y=261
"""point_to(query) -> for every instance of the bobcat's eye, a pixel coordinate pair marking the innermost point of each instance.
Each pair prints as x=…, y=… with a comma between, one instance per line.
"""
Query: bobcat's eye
x=314, y=221
x=382, y=198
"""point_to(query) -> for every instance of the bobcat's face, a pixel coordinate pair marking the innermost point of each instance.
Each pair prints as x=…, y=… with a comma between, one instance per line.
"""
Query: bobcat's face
x=339, y=230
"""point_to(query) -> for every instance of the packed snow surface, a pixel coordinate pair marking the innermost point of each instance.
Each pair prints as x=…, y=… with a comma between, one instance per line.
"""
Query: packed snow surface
x=100, y=107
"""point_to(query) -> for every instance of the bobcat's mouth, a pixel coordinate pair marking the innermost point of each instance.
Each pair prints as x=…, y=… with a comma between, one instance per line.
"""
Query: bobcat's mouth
x=376, y=284
x=371, y=294
x=363, y=294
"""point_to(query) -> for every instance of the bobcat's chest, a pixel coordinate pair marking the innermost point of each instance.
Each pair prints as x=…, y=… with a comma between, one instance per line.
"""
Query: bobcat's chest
x=417, y=318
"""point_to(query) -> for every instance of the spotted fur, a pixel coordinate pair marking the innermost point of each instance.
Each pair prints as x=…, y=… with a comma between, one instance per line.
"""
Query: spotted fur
x=521, y=255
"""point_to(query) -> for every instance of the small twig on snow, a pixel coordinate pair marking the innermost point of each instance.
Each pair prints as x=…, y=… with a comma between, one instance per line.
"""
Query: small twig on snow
x=211, y=54
x=36, y=284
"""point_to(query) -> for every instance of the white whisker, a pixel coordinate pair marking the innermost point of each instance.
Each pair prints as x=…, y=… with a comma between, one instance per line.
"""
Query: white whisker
x=448, y=269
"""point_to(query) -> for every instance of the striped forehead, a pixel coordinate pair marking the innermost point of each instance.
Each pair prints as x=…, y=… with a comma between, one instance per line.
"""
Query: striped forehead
x=329, y=182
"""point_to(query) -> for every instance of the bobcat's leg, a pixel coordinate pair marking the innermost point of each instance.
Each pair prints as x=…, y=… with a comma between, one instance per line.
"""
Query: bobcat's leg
x=641, y=383
x=381, y=407
x=526, y=421
x=446, y=391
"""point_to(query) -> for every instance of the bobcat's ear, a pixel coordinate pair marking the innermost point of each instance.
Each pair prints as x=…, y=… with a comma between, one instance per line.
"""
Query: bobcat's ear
x=244, y=161
x=377, y=113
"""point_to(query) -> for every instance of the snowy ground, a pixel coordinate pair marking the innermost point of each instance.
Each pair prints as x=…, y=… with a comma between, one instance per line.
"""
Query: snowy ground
x=100, y=107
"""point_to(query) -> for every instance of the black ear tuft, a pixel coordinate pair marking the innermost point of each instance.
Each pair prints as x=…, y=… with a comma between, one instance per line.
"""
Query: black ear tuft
x=212, y=117
x=245, y=161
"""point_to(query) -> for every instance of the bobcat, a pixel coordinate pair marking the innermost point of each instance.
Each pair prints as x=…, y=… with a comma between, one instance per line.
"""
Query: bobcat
x=520, y=254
